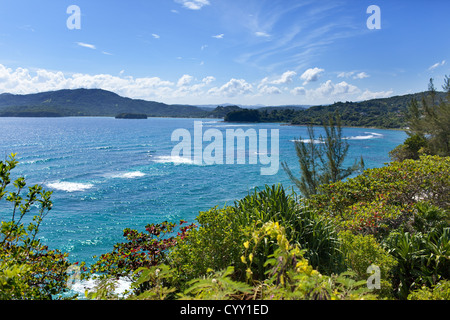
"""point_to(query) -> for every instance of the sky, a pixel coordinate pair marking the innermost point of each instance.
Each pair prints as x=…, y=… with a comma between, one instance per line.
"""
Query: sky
x=246, y=52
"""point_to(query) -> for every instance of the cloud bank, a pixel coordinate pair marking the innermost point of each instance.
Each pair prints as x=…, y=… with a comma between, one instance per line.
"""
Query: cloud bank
x=282, y=89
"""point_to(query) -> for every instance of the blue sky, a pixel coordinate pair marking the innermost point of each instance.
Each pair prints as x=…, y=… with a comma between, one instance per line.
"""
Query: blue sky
x=226, y=51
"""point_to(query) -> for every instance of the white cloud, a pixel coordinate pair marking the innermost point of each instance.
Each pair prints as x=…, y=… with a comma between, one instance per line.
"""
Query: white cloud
x=186, y=89
x=329, y=90
x=368, y=95
x=86, y=45
x=207, y=80
x=193, y=4
x=185, y=80
x=232, y=88
x=361, y=75
x=262, y=34
x=219, y=36
x=285, y=78
x=311, y=74
x=269, y=90
x=23, y=81
x=156, y=36
x=346, y=74
x=299, y=91
x=436, y=65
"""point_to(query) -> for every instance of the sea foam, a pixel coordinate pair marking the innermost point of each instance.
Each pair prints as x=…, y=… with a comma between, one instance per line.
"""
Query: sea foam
x=70, y=186
x=129, y=175
x=370, y=135
x=173, y=159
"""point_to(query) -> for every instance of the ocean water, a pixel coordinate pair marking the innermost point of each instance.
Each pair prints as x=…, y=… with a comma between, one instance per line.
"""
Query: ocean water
x=107, y=174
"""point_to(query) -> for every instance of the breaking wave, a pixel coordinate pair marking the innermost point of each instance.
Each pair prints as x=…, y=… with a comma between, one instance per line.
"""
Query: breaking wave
x=70, y=186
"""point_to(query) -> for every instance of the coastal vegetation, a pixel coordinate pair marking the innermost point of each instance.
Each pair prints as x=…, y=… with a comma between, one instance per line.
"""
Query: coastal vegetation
x=321, y=160
x=131, y=116
x=390, y=113
x=428, y=125
x=271, y=244
x=381, y=234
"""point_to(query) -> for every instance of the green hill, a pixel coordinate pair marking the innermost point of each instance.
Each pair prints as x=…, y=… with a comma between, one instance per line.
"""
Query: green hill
x=89, y=102
x=380, y=113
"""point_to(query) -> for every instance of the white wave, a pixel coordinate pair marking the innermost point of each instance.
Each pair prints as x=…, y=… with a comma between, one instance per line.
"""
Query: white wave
x=36, y=161
x=370, y=135
x=129, y=175
x=173, y=159
x=70, y=186
x=308, y=140
x=103, y=148
x=121, y=286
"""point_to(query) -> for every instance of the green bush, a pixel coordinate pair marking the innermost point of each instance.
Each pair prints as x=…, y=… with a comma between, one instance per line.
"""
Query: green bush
x=362, y=251
x=215, y=244
x=316, y=234
x=29, y=269
x=13, y=282
x=429, y=218
x=288, y=276
x=412, y=148
x=382, y=199
x=422, y=259
x=440, y=291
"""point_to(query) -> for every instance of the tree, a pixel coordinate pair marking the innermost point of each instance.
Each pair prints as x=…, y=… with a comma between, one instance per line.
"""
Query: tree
x=430, y=120
x=28, y=269
x=322, y=160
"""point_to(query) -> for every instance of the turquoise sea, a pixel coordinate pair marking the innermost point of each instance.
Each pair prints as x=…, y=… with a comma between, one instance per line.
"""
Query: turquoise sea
x=107, y=174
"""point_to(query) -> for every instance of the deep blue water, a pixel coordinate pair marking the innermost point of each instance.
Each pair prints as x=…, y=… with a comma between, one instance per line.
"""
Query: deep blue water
x=108, y=174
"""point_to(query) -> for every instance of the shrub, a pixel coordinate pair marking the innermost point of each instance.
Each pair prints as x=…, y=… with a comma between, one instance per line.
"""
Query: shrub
x=28, y=266
x=215, y=244
x=362, y=251
x=289, y=274
x=423, y=259
x=316, y=234
x=141, y=250
x=440, y=291
x=385, y=197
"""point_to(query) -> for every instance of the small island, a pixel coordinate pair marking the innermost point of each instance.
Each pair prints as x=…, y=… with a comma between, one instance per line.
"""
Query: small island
x=131, y=116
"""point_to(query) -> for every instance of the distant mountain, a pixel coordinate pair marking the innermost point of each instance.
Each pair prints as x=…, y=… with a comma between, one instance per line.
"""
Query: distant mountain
x=380, y=113
x=88, y=102
x=98, y=102
x=213, y=106
x=256, y=106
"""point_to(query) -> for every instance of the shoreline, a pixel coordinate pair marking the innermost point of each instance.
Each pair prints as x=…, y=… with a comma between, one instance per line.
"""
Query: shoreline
x=208, y=118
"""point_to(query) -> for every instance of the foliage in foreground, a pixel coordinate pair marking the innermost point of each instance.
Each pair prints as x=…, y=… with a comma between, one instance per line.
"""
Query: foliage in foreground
x=428, y=125
x=404, y=207
x=268, y=245
x=28, y=269
x=322, y=163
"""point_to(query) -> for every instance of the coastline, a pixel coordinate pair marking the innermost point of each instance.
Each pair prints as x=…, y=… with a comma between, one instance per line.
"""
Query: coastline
x=207, y=118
